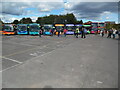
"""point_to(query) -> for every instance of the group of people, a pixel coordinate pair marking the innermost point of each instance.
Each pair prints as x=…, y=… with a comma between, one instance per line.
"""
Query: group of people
x=111, y=33
x=59, y=32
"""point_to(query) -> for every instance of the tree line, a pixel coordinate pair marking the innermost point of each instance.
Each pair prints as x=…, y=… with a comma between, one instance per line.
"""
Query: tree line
x=51, y=19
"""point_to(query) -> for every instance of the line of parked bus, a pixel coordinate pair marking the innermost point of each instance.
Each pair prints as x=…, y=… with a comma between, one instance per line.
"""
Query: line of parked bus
x=34, y=28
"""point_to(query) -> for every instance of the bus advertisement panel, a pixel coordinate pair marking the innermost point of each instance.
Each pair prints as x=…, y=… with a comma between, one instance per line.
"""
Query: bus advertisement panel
x=59, y=27
x=70, y=29
x=8, y=29
x=94, y=27
x=47, y=29
x=34, y=29
x=22, y=29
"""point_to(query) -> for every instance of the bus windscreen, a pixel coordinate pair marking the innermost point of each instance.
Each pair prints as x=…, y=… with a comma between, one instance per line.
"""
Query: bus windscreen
x=34, y=28
x=22, y=28
x=7, y=28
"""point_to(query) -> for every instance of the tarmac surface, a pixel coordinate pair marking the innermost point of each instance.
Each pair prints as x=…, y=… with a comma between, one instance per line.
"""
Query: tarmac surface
x=59, y=62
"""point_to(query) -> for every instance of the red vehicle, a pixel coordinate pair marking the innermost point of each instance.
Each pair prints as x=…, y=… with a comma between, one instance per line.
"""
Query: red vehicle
x=8, y=29
x=101, y=26
x=94, y=28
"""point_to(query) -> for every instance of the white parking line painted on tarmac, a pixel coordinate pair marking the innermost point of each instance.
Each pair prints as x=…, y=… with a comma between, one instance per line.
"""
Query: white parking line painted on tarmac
x=22, y=44
x=12, y=60
x=10, y=67
x=26, y=50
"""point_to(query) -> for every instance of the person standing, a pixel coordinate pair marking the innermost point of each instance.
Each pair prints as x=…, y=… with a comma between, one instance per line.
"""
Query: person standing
x=83, y=32
x=58, y=32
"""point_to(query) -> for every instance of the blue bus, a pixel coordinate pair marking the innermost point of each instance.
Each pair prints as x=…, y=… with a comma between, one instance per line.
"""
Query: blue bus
x=22, y=29
x=34, y=29
x=47, y=29
x=70, y=29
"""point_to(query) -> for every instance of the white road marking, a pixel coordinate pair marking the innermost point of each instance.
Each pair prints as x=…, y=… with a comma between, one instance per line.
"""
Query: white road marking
x=99, y=82
x=9, y=67
x=12, y=60
x=22, y=44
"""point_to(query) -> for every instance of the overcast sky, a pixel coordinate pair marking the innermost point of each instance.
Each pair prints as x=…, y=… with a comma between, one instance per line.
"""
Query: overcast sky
x=88, y=10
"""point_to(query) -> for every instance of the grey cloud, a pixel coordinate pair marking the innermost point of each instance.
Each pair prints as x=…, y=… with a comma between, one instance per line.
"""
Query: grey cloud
x=12, y=8
x=94, y=9
x=19, y=8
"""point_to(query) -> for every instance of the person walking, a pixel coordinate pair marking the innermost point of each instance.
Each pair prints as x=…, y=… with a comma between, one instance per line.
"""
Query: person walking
x=83, y=32
x=76, y=32
x=114, y=33
x=65, y=30
x=52, y=32
x=58, y=32
x=119, y=34
x=102, y=33
x=40, y=32
x=110, y=32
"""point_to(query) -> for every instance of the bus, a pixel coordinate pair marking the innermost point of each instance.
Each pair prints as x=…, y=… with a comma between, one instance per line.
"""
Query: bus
x=78, y=26
x=88, y=27
x=8, y=29
x=94, y=27
x=59, y=27
x=34, y=29
x=101, y=26
x=46, y=28
x=70, y=29
x=1, y=28
x=22, y=29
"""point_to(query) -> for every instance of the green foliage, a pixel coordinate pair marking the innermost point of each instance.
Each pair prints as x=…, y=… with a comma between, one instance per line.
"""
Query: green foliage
x=15, y=22
x=115, y=26
x=26, y=20
x=52, y=19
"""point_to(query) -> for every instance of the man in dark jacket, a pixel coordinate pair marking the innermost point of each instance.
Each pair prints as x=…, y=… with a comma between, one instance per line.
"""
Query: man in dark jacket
x=83, y=32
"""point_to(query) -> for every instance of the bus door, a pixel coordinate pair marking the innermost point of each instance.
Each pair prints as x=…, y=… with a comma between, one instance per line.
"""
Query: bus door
x=70, y=29
x=34, y=29
x=47, y=29
x=94, y=28
x=101, y=26
x=22, y=29
x=59, y=27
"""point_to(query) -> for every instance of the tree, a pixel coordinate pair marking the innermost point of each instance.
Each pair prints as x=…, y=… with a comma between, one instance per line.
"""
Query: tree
x=15, y=22
x=71, y=18
x=52, y=19
x=26, y=20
